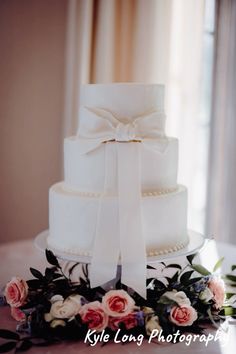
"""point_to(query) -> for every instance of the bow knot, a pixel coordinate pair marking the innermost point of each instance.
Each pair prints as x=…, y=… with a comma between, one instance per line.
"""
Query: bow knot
x=98, y=126
x=125, y=132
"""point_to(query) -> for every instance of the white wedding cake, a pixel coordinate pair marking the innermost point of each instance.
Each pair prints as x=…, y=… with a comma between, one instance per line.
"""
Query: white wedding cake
x=119, y=201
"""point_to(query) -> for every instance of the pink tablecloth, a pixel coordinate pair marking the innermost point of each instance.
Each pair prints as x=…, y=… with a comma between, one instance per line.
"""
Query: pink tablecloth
x=17, y=257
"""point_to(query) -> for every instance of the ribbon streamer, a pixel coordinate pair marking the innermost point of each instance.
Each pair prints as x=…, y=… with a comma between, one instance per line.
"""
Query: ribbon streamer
x=127, y=240
x=132, y=245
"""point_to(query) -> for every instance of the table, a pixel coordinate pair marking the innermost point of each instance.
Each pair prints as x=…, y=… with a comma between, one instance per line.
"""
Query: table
x=17, y=257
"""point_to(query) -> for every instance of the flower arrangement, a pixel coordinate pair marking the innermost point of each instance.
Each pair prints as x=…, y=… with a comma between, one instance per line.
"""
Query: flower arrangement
x=51, y=307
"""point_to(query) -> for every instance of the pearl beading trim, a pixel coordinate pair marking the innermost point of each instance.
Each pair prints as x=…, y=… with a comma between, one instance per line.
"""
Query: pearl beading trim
x=154, y=252
x=144, y=194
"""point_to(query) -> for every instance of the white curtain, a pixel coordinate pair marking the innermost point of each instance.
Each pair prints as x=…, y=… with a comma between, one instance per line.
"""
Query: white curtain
x=221, y=220
x=110, y=40
x=183, y=101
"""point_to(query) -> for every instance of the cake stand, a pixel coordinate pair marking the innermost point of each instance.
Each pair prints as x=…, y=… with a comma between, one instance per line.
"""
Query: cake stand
x=196, y=243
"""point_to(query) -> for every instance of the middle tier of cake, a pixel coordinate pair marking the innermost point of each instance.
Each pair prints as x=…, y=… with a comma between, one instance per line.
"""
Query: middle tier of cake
x=73, y=218
x=97, y=170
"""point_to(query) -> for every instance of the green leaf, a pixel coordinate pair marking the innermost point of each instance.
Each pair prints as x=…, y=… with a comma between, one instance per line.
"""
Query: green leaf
x=150, y=267
x=36, y=273
x=174, y=266
x=25, y=345
x=57, y=276
x=72, y=268
x=34, y=283
x=49, y=273
x=231, y=277
x=6, y=334
x=233, y=267
x=7, y=347
x=158, y=284
x=51, y=258
x=229, y=295
x=175, y=277
x=186, y=276
x=166, y=301
x=190, y=257
x=192, y=281
x=228, y=311
x=200, y=269
x=218, y=264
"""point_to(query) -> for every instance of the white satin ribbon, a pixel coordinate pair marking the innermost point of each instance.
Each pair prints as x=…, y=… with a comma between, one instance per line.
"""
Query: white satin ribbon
x=127, y=240
x=98, y=126
x=132, y=244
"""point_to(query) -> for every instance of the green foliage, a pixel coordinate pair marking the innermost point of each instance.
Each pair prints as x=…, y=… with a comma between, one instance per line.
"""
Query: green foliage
x=52, y=259
x=54, y=282
x=7, y=347
x=218, y=264
x=200, y=269
x=191, y=257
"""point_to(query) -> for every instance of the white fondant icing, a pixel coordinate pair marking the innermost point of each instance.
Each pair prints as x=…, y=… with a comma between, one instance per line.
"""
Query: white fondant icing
x=86, y=172
x=91, y=175
x=72, y=219
x=126, y=101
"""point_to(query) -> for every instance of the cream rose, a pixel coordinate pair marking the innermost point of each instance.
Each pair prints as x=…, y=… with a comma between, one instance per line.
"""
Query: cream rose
x=179, y=297
x=217, y=287
x=206, y=295
x=56, y=323
x=16, y=292
x=151, y=323
x=118, y=303
x=63, y=309
x=183, y=315
x=94, y=315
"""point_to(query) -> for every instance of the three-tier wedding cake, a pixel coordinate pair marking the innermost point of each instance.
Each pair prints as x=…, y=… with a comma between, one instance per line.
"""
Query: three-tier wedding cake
x=120, y=202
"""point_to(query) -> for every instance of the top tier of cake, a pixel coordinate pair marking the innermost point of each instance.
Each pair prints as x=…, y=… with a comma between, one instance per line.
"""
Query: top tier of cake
x=122, y=103
x=127, y=100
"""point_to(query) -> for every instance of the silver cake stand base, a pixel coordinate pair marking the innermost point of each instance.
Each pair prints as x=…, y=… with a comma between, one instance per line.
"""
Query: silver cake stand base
x=74, y=266
x=196, y=243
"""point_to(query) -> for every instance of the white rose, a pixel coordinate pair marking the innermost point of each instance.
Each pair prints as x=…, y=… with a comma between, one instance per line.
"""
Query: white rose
x=151, y=323
x=56, y=323
x=151, y=320
x=76, y=298
x=206, y=295
x=56, y=298
x=179, y=297
x=63, y=309
x=148, y=310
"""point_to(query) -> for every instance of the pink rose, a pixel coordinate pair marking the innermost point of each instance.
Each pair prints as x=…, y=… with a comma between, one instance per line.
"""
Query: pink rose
x=16, y=292
x=118, y=303
x=183, y=315
x=94, y=315
x=216, y=285
x=130, y=321
x=17, y=314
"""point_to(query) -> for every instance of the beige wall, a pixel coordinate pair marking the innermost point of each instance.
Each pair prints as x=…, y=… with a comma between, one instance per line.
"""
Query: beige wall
x=32, y=46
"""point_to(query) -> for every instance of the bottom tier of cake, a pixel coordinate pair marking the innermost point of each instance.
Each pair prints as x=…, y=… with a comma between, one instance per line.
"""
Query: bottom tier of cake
x=73, y=220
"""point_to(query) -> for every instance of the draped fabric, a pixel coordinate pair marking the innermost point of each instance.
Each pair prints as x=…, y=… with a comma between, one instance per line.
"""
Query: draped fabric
x=114, y=41
x=221, y=221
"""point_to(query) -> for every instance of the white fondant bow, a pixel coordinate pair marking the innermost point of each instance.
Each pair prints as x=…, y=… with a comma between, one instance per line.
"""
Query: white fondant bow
x=127, y=240
x=99, y=125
